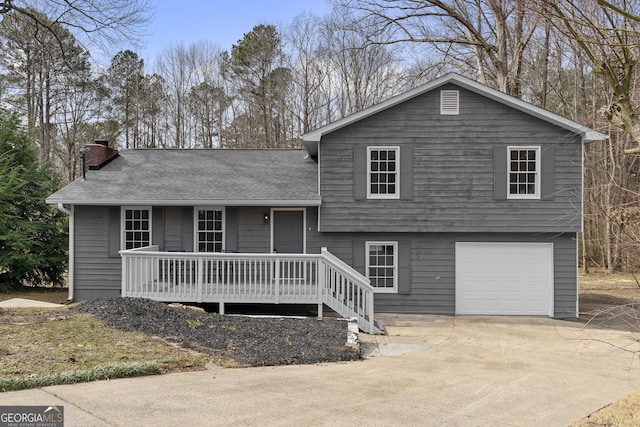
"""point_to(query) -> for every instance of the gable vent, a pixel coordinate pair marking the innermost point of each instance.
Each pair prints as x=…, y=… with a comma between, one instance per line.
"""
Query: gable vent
x=449, y=102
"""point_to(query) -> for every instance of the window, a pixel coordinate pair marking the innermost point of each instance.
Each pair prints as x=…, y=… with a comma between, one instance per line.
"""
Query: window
x=136, y=227
x=382, y=172
x=209, y=232
x=382, y=265
x=449, y=102
x=524, y=172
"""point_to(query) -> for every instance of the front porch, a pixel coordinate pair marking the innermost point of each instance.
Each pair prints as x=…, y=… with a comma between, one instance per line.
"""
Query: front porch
x=248, y=278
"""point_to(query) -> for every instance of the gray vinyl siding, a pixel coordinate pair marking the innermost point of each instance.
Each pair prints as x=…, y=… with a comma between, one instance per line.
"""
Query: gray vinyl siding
x=427, y=278
x=254, y=236
x=454, y=186
x=98, y=266
x=173, y=229
x=97, y=274
x=432, y=268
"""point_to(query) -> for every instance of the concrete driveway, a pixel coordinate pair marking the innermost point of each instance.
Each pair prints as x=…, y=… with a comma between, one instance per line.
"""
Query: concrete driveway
x=429, y=370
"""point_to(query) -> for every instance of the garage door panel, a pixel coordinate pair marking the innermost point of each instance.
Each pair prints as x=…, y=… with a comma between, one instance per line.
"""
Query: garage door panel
x=504, y=278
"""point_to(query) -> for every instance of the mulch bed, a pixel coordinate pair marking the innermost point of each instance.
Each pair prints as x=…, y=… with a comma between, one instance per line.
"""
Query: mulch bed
x=250, y=341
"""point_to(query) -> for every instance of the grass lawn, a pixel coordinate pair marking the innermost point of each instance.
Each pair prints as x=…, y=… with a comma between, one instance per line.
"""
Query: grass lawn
x=42, y=346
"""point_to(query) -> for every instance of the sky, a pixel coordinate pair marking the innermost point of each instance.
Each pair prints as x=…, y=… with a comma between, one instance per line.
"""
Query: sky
x=222, y=22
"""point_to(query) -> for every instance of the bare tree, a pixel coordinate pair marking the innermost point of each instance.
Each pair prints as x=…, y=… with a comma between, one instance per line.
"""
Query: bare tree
x=208, y=99
x=35, y=65
x=607, y=33
x=361, y=74
x=487, y=38
x=177, y=67
x=106, y=24
x=308, y=64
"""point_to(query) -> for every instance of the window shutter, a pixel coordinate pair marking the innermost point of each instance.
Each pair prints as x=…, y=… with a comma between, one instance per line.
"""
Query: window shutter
x=157, y=227
x=231, y=230
x=406, y=172
x=404, y=267
x=449, y=102
x=359, y=172
x=114, y=232
x=358, y=256
x=548, y=174
x=187, y=229
x=500, y=173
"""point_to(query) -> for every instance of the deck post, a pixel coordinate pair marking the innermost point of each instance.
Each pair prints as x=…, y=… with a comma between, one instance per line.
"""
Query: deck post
x=276, y=262
x=220, y=307
x=125, y=281
x=321, y=283
x=199, y=278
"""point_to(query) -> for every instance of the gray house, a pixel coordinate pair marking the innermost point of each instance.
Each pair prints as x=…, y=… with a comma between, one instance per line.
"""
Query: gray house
x=452, y=198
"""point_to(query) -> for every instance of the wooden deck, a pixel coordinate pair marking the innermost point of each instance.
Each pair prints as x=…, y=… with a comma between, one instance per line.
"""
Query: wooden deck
x=248, y=278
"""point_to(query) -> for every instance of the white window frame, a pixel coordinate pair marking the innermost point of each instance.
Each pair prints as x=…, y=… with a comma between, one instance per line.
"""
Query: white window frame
x=123, y=230
x=396, y=194
x=196, y=230
x=538, y=172
x=367, y=249
x=449, y=102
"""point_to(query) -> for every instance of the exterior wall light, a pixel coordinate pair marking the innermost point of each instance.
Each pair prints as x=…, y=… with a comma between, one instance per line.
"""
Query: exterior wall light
x=265, y=218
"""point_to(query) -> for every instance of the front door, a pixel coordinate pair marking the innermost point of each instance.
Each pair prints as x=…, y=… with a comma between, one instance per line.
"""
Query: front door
x=288, y=232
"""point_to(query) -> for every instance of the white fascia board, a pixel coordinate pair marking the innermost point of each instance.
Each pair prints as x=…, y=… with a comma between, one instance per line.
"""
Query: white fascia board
x=593, y=135
x=586, y=133
x=151, y=202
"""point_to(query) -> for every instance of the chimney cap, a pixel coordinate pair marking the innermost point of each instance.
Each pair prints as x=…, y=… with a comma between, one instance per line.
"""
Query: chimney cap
x=104, y=142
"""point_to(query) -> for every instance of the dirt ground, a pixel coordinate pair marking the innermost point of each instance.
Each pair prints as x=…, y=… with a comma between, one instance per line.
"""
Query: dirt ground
x=54, y=295
x=610, y=301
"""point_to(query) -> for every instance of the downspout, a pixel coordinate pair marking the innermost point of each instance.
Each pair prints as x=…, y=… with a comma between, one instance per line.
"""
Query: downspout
x=70, y=277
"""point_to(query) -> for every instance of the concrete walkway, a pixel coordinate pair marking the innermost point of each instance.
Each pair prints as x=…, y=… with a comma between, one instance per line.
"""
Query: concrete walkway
x=429, y=371
x=26, y=303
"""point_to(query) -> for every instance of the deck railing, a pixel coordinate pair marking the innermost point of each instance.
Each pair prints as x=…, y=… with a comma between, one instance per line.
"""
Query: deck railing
x=248, y=278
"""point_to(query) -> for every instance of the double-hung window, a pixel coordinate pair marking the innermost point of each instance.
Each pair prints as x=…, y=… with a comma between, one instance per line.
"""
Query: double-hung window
x=382, y=265
x=523, y=172
x=383, y=172
x=209, y=232
x=136, y=227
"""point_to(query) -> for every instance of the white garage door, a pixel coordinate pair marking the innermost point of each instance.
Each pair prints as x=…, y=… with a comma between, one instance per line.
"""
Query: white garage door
x=504, y=278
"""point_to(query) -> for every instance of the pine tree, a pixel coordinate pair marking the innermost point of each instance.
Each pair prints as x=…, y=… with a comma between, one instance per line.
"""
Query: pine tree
x=32, y=238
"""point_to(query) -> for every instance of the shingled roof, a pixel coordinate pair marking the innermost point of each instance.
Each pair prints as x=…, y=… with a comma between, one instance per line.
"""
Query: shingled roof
x=191, y=177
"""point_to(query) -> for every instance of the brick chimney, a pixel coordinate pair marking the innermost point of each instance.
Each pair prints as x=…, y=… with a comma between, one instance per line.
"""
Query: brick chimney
x=98, y=154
